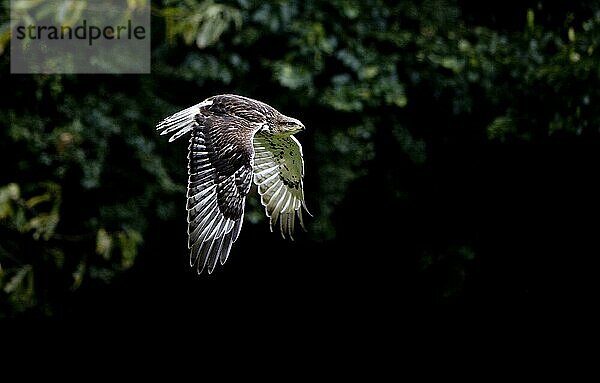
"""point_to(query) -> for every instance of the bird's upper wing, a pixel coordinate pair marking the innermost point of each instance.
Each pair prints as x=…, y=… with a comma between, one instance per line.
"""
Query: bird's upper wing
x=279, y=172
x=220, y=175
x=183, y=121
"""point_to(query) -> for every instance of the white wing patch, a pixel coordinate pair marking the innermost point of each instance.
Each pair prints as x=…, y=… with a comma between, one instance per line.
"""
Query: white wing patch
x=278, y=172
x=181, y=122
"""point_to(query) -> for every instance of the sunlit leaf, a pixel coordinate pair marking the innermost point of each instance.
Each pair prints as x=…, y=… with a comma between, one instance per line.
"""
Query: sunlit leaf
x=129, y=240
x=16, y=281
x=8, y=195
x=43, y=225
x=501, y=128
x=201, y=22
x=78, y=274
x=103, y=244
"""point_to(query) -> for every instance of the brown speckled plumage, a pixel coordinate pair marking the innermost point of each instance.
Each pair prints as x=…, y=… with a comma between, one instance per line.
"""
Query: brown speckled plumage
x=236, y=140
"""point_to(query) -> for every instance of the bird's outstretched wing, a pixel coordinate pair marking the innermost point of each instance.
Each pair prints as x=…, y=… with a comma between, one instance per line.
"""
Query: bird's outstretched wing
x=220, y=175
x=279, y=172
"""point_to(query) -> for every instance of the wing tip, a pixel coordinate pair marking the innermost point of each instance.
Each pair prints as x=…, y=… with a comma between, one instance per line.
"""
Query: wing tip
x=306, y=208
x=206, y=254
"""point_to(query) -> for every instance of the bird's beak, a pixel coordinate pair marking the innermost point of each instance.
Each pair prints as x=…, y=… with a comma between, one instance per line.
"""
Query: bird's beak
x=297, y=122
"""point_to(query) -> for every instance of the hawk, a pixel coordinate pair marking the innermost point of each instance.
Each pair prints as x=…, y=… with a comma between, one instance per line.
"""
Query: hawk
x=236, y=140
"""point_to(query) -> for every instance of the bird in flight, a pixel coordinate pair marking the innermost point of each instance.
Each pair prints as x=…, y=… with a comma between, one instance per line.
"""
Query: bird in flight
x=236, y=140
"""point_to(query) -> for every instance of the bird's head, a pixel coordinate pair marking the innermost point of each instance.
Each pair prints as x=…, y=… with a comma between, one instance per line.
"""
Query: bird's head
x=287, y=125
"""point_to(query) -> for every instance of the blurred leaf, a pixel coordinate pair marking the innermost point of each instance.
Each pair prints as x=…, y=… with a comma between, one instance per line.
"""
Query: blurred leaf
x=20, y=288
x=501, y=128
x=43, y=225
x=414, y=148
x=129, y=240
x=58, y=256
x=292, y=77
x=530, y=19
x=8, y=195
x=5, y=32
x=17, y=279
x=103, y=244
x=201, y=22
x=78, y=275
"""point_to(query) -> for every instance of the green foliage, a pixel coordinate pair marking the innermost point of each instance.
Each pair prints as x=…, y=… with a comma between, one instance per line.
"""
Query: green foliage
x=37, y=215
x=199, y=22
x=85, y=176
x=29, y=224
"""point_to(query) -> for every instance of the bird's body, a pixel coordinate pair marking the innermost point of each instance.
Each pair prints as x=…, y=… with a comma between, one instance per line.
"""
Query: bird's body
x=236, y=140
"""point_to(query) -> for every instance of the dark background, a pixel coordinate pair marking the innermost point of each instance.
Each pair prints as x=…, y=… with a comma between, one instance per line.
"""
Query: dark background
x=451, y=154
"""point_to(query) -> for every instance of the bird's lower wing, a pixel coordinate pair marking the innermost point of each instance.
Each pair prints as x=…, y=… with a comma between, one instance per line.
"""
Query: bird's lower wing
x=279, y=172
x=220, y=175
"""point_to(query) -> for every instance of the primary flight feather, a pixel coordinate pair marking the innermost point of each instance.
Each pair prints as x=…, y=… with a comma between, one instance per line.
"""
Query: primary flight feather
x=236, y=140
